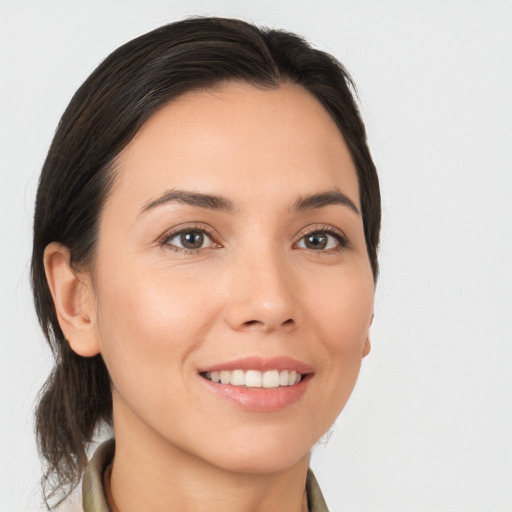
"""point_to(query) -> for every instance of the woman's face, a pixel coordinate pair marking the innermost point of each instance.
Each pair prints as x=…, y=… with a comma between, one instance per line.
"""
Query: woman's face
x=231, y=247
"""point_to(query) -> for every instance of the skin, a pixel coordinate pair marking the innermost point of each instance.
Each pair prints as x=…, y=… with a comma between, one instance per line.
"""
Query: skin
x=157, y=313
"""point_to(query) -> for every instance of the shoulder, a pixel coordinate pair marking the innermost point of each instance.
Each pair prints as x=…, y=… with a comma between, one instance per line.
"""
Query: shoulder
x=316, y=502
x=92, y=483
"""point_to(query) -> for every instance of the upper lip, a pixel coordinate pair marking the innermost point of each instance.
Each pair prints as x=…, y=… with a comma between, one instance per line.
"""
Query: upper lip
x=261, y=364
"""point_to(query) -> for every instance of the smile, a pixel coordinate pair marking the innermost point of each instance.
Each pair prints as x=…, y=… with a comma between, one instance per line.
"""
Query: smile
x=258, y=384
x=254, y=378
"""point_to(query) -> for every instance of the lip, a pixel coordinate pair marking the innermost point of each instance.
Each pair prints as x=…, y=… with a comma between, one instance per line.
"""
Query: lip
x=261, y=364
x=260, y=399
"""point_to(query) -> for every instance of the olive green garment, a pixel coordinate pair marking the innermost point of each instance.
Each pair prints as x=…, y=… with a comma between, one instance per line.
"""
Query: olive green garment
x=94, y=498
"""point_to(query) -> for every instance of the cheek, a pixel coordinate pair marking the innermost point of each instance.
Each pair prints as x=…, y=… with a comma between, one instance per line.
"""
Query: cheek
x=343, y=310
x=147, y=324
x=342, y=317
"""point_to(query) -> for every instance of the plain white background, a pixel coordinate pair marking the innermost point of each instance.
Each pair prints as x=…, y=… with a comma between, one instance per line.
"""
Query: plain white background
x=429, y=426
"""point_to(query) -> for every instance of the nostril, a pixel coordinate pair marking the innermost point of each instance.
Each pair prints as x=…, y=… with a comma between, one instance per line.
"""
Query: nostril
x=267, y=327
x=250, y=323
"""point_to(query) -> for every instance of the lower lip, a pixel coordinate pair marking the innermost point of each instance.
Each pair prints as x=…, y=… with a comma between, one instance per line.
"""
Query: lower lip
x=260, y=399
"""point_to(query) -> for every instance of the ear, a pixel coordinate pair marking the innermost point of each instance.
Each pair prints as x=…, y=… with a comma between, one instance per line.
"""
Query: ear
x=367, y=344
x=367, y=347
x=73, y=298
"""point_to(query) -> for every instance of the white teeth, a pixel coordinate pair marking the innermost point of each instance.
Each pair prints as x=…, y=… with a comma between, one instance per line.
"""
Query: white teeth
x=237, y=378
x=255, y=378
x=271, y=379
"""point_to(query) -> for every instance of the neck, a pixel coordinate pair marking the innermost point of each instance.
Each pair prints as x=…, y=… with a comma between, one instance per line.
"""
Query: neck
x=150, y=473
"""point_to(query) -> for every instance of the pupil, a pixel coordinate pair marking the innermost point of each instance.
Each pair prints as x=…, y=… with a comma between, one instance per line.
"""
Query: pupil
x=192, y=239
x=316, y=241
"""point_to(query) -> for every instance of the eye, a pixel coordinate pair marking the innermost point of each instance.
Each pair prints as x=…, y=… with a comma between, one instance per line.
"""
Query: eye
x=189, y=240
x=322, y=240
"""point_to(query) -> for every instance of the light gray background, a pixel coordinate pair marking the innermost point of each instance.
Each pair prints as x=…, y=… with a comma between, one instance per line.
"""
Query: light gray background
x=429, y=427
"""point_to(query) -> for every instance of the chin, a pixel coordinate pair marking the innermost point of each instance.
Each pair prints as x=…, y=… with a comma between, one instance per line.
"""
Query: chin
x=263, y=454
x=275, y=463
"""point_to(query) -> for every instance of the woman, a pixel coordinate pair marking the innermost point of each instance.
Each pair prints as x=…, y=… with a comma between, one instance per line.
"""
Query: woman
x=204, y=263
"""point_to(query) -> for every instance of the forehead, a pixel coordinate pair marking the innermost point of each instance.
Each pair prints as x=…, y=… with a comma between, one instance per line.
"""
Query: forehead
x=241, y=140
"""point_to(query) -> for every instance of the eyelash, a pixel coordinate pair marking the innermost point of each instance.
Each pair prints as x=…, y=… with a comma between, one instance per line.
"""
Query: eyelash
x=310, y=230
x=164, y=241
x=325, y=229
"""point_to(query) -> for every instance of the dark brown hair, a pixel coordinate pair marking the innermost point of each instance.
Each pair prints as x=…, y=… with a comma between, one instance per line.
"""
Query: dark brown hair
x=103, y=116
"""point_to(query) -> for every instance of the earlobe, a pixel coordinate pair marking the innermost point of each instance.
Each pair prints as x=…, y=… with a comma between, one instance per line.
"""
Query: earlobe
x=367, y=344
x=367, y=347
x=73, y=300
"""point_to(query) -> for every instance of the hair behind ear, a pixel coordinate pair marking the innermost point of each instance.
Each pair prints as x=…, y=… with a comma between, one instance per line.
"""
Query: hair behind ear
x=74, y=399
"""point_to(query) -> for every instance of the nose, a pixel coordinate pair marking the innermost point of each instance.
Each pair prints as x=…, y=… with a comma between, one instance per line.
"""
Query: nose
x=263, y=296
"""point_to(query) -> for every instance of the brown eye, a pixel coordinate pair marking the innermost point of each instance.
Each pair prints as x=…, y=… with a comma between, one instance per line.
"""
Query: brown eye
x=316, y=241
x=321, y=241
x=191, y=239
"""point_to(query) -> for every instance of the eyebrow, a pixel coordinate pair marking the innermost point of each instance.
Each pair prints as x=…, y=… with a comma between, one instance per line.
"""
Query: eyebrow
x=209, y=201
x=335, y=196
x=214, y=202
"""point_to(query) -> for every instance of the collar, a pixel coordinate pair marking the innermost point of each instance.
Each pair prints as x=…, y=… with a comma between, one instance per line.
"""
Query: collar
x=93, y=494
